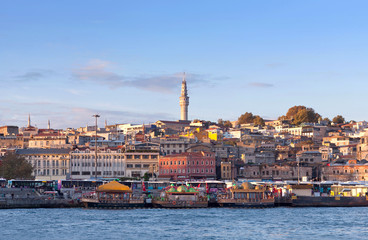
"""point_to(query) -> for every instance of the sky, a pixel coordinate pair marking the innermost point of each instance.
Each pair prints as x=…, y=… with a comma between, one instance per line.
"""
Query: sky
x=65, y=61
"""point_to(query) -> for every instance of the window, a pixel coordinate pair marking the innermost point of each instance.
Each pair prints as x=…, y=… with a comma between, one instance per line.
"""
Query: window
x=138, y=165
x=129, y=165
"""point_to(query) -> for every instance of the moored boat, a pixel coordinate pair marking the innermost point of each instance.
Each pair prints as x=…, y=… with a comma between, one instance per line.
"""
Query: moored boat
x=112, y=195
x=246, y=195
x=337, y=196
x=180, y=197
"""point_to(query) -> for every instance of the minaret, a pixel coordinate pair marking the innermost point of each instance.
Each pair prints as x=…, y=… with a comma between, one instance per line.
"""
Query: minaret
x=184, y=100
x=29, y=120
x=48, y=124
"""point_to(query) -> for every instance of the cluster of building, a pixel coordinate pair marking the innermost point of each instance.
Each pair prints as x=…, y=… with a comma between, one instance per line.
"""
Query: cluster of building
x=183, y=149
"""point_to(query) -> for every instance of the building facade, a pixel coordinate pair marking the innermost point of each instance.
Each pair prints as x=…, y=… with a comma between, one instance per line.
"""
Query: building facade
x=189, y=165
x=48, y=164
x=133, y=162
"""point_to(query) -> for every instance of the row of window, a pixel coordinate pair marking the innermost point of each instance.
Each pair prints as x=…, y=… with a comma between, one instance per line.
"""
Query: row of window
x=275, y=173
x=104, y=173
x=45, y=156
x=166, y=171
x=53, y=163
x=138, y=166
x=168, y=163
x=114, y=157
x=48, y=172
x=351, y=171
x=92, y=164
x=174, y=145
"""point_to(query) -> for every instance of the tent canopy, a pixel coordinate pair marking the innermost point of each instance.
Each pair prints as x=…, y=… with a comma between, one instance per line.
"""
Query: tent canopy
x=113, y=187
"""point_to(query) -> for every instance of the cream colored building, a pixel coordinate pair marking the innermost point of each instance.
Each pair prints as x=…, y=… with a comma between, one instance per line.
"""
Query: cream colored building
x=49, y=164
x=115, y=163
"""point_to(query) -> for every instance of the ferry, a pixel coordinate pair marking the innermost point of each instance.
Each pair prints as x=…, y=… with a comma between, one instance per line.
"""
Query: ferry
x=341, y=195
x=180, y=197
x=245, y=196
x=112, y=195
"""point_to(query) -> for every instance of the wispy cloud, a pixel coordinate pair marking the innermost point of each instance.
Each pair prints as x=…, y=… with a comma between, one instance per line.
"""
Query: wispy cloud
x=97, y=71
x=260, y=85
x=33, y=75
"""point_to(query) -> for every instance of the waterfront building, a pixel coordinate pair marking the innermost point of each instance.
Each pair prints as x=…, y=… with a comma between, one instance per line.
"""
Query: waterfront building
x=345, y=170
x=189, y=165
x=48, y=164
x=227, y=170
x=135, y=161
x=275, y=172
x=110, y=163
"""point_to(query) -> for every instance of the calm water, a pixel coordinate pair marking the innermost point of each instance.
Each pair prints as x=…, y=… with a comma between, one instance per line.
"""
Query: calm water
x=213, y=223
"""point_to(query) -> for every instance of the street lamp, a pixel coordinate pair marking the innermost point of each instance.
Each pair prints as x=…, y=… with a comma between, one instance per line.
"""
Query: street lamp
x=96, y=116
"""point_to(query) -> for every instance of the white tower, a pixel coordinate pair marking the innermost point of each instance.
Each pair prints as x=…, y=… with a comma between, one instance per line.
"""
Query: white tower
x=184, y=100
x=29, y=120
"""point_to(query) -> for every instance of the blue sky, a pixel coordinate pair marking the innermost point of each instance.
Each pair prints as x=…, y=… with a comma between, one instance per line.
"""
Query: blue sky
x=67, y=60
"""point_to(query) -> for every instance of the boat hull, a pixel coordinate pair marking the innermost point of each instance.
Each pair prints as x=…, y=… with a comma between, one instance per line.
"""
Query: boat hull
x=179, y=204
x=112, y=205
x=244, y=204
x=306, y=201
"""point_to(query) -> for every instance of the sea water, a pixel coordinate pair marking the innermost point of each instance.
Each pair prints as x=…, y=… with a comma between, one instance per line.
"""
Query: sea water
x=210, y=223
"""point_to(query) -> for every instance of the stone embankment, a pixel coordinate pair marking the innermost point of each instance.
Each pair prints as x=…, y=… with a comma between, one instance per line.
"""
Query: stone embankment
x=29, y=198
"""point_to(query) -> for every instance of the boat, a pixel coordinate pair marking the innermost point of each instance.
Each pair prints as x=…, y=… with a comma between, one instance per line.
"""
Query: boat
x=336, y=196
x=180, y=197
x=112, y=195
x=246, y=196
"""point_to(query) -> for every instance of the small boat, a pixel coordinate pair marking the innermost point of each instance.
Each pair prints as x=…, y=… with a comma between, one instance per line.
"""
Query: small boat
x=112, y=195
x=246, y=196
x=181, y=197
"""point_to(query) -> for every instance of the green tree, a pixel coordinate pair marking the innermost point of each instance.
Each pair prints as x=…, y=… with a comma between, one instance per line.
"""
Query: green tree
x=14, y=166
x=338, y=119
x=258, y=121
x=306, y=115
x=228, y=124
x=146, y=177
x=246, y=118
x=326, y=119
x=293, y=111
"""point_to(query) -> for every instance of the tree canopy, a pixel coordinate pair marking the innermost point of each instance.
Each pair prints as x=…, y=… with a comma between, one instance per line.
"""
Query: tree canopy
x=338, y=119
x=300, y=114
x=248, y=117
x=15, y=167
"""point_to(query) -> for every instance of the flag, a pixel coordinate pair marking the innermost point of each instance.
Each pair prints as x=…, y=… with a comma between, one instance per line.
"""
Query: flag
x=143, y=187
x=207, y=188
x=199, y=185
